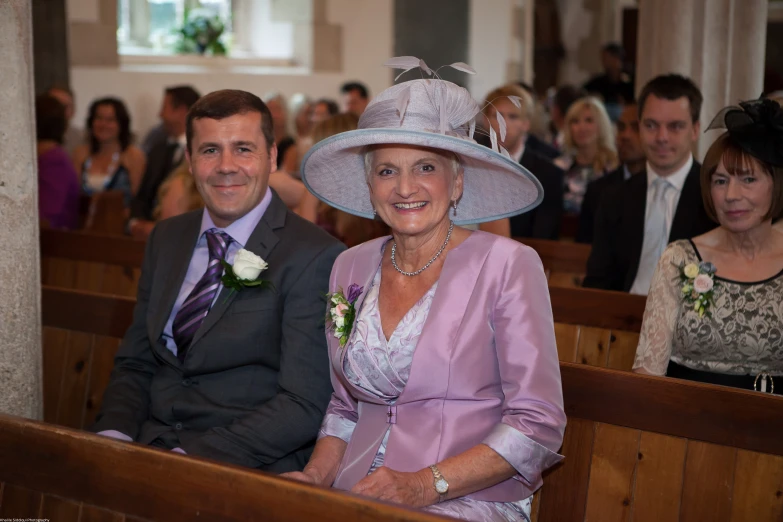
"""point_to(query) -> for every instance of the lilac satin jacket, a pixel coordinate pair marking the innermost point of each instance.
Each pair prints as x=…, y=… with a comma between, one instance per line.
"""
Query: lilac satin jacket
x=486, y=361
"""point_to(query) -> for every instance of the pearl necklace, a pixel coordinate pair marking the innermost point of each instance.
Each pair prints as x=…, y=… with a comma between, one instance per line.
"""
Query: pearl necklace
x=422, y=269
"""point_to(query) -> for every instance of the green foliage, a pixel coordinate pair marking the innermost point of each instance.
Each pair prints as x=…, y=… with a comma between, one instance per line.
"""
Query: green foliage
x=201, y=33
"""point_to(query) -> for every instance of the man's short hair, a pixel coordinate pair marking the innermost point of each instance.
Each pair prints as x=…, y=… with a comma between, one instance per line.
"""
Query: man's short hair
x=183, y=96
x=614, y=49
x=528, y=106
x=565, y=96
x=49, y=118
x=673, y=87
x=223, y=104
x=735, y=159
x=355, y=86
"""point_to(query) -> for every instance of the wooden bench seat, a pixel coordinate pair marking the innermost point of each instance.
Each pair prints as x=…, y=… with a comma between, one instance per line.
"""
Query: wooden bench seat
x=87, y=261
x=565, y=263
x=82, y=332
x=636, y=447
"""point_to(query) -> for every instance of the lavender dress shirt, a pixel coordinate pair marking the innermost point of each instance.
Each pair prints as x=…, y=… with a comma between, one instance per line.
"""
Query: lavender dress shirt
x=240, y=231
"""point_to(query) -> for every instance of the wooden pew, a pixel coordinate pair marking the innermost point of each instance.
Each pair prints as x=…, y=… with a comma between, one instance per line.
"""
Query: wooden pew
x=650, y=448
x=62, y=475
x=87, y=261
x=82, y=331
x=654, y=448
x=565, y=262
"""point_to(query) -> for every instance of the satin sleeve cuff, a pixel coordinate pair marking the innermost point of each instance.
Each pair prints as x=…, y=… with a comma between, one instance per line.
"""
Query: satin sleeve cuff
x=527, y=456
x=336, y=426
x=114, y=434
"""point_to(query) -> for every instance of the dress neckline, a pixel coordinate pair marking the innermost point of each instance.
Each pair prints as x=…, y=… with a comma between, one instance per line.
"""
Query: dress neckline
x=719, y=278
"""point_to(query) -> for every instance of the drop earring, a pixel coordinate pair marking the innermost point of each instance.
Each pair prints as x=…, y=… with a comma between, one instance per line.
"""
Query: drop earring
x=454, y=204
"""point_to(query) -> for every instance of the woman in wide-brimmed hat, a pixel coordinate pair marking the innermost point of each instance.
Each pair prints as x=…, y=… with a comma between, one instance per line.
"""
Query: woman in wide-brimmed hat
x=442, y=345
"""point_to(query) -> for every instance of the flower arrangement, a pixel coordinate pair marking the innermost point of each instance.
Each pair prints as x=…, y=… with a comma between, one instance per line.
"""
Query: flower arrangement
x=698, y=286
x=245, y=272
x=201, y=33
x=342, y=312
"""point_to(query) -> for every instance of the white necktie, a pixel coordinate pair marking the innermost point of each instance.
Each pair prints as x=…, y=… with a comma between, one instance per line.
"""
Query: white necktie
x=656, y=237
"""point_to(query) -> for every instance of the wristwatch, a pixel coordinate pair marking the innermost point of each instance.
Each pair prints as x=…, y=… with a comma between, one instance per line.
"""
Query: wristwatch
x=441, y=486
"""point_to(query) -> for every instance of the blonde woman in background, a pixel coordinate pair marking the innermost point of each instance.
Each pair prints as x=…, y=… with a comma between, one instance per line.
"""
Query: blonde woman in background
x=177, y=195
x=589, y=149
x=351, y=230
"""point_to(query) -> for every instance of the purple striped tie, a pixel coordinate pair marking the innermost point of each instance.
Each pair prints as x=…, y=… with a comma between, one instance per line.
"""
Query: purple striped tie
x=197, y=305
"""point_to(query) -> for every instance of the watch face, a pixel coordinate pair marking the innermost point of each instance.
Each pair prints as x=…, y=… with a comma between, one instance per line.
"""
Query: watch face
x=441, y=486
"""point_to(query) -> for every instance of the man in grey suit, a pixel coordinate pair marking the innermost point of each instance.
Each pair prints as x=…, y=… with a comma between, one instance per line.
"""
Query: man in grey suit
x=242, y=376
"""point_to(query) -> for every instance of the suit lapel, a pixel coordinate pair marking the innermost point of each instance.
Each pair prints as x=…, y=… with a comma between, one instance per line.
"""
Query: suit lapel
x=687, y=206
x=173, y=278
x=634, y=238
x=261, y=242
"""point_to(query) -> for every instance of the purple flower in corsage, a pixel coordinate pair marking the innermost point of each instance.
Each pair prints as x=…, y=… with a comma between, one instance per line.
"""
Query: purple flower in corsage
x=342, y=312
x=698, y=286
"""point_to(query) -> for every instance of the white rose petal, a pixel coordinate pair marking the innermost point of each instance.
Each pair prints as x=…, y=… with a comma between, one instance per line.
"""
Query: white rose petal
x=248, y=266
x=691, y=270
x=339, y=321
x=703, y=283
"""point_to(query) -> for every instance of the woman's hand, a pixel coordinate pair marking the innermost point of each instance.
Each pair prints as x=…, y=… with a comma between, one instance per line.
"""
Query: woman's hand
x=410, y=489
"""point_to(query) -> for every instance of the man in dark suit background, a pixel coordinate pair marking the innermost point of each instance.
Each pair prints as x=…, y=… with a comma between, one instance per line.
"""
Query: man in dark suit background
x=543, y=221
x=632, y=161
x=638, y=219
x=165, y=154
x=237, y=376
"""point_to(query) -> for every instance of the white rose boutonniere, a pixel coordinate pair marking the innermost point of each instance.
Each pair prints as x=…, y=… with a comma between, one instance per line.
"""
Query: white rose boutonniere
x=245, y=272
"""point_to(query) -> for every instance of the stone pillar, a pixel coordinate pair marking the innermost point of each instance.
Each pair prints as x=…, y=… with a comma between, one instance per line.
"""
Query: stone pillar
x=720, y=44
x=20, y=317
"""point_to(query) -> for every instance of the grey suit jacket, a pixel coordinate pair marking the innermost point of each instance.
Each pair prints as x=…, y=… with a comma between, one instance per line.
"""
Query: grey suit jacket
x=254, y=385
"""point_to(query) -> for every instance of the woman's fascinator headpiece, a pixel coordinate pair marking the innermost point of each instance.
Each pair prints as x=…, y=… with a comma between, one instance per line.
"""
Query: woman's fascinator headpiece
x=432, y=113
x=756, y=126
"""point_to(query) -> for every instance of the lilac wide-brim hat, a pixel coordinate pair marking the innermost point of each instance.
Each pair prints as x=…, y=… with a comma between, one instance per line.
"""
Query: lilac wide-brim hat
x=428, y=113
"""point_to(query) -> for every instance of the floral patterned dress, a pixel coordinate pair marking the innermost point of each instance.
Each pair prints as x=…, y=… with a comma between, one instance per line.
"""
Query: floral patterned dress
x=742, y=336
x=382, y=368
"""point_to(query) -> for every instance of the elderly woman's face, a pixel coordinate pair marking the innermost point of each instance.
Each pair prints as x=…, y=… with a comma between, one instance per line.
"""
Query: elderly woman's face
x=412, y=187
x=742, y=200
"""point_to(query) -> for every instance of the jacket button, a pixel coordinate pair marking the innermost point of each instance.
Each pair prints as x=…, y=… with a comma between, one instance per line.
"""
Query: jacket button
x=178, y=426
x=187, y=382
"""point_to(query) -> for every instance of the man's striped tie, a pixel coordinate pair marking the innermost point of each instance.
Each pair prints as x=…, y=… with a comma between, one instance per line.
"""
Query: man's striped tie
x=197, y=305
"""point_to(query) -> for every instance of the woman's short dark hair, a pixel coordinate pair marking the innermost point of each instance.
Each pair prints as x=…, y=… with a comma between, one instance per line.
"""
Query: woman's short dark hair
x=123, y=121
x=736, y=160
x=223, y=104
x=331, y=106
x=50, y=121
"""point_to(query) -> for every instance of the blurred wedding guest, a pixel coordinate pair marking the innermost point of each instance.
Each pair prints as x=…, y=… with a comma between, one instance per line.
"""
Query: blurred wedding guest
x=354, y=97
x=615, y=85
x=301, y=109
x=58, y=183
x=543, y=221
x=351, y=230
x=558, y=107
x=286, y=145
x=163, y=158
x=323, y=109
x=109, y=161
x=539, y=135
x=636, y=220
x=631, y=156
x=589, y=150
x=178, y=195
x=73, y=137
x=713, y=311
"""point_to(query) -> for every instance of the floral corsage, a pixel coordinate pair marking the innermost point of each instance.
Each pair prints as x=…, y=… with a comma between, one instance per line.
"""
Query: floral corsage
x=342, y=312
x=245, y=271
x=698, y=286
